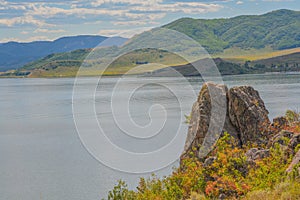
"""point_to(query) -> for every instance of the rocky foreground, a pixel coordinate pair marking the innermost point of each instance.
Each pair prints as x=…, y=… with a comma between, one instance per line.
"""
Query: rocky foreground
x=246, y=121
x=232, y=151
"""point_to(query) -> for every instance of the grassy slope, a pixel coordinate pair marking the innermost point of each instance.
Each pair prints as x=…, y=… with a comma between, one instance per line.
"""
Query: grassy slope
x=67, y=64
x=271, y=34
x=278, y=29
x=239, y=55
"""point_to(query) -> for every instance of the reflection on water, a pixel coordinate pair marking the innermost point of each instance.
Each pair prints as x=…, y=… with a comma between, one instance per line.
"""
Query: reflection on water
x=41, y=156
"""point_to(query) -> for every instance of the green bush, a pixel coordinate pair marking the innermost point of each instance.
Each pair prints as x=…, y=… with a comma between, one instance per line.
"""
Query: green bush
x=230, y=174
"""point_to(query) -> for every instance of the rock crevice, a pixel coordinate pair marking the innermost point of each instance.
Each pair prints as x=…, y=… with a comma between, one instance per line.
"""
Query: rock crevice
x=245, y=117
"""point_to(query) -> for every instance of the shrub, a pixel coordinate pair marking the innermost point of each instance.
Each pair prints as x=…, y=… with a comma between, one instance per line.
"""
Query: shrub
x=229, y=175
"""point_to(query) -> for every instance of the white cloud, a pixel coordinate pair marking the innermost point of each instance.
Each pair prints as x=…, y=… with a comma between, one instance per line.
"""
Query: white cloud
x=123, y=33
x=37, y=38
x=135, y=23
x=22, y=20
x=143, y=7
x=120, y=12
x=43, y=30
x=185, y=7
x=5, y=5
x=131, y=2
x=48, y=12
x=24, y=32
x=30, y=39
x=109, y=32
x=3, y=40
x=239, y=2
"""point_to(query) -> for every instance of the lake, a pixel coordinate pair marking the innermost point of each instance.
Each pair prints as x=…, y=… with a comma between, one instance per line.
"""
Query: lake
x=42, y=156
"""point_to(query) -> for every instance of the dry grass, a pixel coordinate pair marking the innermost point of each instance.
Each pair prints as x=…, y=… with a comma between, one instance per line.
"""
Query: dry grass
x=241, y=55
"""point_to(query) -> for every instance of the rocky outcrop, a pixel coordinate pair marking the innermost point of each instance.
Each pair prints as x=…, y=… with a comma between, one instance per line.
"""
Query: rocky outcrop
x=239, y=111
x=280, y=138
x=207, y=119
x=248, y=114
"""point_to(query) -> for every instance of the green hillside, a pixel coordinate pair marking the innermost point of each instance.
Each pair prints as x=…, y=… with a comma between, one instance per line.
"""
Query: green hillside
x=278, y=29
x=236, y=40
x=67, y=64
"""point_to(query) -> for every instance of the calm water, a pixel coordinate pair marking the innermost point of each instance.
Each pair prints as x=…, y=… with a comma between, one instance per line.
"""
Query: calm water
x=42, y=157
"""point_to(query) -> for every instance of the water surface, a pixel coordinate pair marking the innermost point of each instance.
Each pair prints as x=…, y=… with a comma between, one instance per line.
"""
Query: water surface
x=42, y=157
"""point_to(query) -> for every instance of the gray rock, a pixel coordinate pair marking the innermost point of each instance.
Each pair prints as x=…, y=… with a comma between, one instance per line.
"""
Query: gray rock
x=280, y=138
x=248, y=114
x=222, y=196
x=239, y=111
x=295, y=140
x=294, y=162
x=207, y=119
x=209, y=161
x=257, y=153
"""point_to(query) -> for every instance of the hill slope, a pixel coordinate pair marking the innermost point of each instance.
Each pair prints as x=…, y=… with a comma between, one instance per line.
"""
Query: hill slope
x=279, y=29
x=240, y=38
x=14, y=55
x=225, y=68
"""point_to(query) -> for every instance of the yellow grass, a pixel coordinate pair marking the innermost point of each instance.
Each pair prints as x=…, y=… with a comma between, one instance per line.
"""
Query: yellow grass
x=241, y=55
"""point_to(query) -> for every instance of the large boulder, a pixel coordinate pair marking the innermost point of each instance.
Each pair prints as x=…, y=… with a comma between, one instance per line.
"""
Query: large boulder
x=208, y=118
x=239, y=111
x=248, y=114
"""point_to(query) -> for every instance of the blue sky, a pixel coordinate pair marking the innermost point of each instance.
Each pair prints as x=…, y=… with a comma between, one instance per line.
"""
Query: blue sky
x=31, y=20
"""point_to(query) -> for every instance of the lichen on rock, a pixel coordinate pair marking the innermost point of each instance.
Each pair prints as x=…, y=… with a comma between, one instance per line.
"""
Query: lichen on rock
x=245, y=118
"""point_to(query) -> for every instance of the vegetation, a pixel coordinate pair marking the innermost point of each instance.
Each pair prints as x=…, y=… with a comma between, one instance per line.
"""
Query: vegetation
x=230, y=175
x=246, y=44
x=278, y=29
x=289, y=62
x=67, y=64
x=239, y=55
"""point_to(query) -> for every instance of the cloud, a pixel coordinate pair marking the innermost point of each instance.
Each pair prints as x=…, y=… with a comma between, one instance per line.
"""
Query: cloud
x=48, y=12
x=185, y=7
x=47, y=17
x=123, y=33
x=43, y=30
x=130, y=2
x=5, y=5
x=24, y=32
x=239, y=2
x=134, y=9
x=42, y=13
x=22, y=20
x=30, y=39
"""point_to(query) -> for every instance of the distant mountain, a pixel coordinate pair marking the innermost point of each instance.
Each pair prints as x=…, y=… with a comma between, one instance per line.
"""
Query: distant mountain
x=270, y=32
x=14, y=55
x=279, y=29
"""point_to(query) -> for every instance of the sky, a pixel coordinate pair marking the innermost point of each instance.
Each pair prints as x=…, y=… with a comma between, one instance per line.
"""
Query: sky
x=32, y=20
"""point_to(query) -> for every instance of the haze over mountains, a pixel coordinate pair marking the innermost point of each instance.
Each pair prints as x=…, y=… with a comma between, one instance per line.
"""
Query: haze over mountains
x=14, y=55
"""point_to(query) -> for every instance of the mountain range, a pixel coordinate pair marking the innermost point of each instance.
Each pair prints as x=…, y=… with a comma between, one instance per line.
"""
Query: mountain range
x=273, y=33
x=14, y=55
